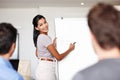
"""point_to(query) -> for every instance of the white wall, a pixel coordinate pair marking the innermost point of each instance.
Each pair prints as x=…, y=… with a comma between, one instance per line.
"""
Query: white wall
x=22, y=19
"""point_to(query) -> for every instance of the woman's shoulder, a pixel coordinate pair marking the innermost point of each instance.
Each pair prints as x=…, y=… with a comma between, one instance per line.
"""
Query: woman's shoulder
x=43, y=36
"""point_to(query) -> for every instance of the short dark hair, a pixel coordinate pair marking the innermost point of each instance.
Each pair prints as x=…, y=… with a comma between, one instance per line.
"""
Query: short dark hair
x=8, y=36
x=104, y=23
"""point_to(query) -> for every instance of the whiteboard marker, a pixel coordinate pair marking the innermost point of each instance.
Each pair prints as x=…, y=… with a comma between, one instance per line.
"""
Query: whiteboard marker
x=74, y=42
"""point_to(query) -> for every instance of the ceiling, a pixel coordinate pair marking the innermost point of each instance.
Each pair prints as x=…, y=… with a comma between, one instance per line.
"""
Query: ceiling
x=51, y=3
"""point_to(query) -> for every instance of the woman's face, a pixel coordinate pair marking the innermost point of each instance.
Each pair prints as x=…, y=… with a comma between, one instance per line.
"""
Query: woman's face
x=42, y=26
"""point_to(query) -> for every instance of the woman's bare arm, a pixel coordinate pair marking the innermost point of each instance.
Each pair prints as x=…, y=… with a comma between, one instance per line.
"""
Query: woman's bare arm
x=56, y=54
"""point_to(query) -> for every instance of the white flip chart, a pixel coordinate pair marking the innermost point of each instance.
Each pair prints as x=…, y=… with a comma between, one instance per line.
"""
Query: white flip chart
x=70, y=30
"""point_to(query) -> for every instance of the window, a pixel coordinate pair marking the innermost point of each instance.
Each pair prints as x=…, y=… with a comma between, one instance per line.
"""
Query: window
x=16, y=51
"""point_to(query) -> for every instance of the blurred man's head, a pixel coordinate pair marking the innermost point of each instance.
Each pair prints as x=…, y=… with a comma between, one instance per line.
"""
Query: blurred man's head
x=104, y=23
x=8, y=36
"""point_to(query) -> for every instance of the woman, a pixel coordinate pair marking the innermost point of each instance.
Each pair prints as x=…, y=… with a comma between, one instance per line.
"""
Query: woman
x=46, y=50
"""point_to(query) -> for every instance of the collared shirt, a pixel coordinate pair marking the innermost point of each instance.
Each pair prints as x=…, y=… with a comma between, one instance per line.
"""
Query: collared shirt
x=7, y=72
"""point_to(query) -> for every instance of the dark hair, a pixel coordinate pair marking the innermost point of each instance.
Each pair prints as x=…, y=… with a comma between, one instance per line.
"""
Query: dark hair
x=35, y=24
x=8, y=36
x=104, y=23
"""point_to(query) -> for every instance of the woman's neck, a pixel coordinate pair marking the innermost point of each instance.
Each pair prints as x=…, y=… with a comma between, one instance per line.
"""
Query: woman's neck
x=44, y=33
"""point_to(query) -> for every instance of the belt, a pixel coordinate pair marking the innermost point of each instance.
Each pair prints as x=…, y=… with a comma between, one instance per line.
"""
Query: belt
x=47, y=59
